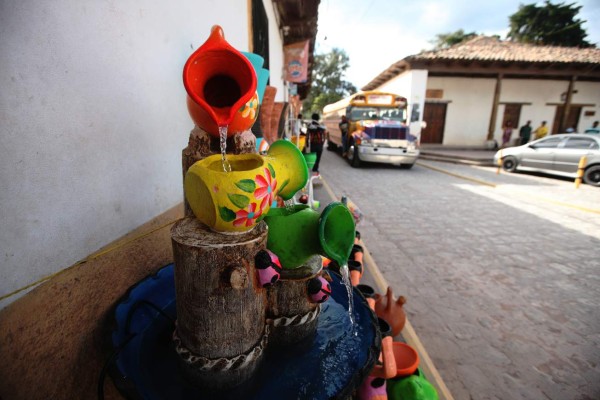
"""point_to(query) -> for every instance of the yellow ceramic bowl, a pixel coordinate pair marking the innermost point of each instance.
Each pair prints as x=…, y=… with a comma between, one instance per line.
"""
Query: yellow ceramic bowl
x=235, y=201
x=301, y=141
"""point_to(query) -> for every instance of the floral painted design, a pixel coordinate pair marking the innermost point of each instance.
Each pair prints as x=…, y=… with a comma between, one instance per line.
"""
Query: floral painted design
x=249, y=110
x=248, y=216
x=266, y=186
x=262, y=190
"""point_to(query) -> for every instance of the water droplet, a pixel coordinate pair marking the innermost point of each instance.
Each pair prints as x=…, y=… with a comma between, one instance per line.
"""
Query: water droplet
x=223, y=143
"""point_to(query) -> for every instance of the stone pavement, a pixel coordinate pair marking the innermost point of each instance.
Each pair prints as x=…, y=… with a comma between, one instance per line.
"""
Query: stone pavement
x=502, y=282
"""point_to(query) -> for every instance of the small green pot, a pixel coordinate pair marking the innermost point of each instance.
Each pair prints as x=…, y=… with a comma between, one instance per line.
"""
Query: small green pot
x=298, y=232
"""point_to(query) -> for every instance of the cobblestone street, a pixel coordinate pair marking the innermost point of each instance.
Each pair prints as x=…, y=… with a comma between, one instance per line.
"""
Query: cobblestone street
x=502, y=282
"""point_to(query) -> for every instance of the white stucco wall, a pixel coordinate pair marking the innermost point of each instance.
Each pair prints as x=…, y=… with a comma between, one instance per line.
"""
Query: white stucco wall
x=588, y=93
x=93, y=121
x=470, y=105
x=275, y=53
x=469, y=108
x=542, y=92
x=401, y=84
x=537, y=92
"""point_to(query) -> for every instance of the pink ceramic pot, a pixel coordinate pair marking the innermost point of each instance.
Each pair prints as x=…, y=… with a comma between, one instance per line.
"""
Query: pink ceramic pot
x=372, y=389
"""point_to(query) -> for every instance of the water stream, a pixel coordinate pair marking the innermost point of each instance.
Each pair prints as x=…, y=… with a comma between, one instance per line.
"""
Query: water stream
x=346, y=280
x=223, y=143
x=289, y=205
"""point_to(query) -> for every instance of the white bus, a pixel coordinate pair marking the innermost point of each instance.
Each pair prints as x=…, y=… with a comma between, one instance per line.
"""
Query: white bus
x=377, y=129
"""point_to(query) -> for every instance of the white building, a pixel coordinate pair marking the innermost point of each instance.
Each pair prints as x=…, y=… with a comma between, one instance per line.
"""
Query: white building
x=467, y=92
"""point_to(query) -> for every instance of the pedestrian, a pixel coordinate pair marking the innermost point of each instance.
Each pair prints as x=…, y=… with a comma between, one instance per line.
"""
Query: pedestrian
x=344, y=126
x=316, y=137
x=525, y=133
x=594, y=129
x=541, y=131
x=507, y=131
x=298, y=125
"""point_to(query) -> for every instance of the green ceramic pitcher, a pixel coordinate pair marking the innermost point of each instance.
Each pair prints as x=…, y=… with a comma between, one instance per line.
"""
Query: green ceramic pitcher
x=414, y=387
x=298, y=232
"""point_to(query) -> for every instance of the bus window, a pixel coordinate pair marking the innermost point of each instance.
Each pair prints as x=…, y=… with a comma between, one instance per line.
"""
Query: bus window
x=374, y=113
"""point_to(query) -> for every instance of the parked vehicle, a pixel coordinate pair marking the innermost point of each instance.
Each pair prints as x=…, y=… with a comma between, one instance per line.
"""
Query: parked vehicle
x=377, y=129
x=556, y=154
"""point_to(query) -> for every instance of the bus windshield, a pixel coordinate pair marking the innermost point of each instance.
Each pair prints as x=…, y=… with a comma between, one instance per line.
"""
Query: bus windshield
x=376, y=113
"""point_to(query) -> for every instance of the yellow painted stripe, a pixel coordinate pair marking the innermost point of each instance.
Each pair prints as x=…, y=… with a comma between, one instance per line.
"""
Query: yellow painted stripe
x=88, y=258
x=328, y=189
x=467, y=178
x=408, y=333
x=482, y=182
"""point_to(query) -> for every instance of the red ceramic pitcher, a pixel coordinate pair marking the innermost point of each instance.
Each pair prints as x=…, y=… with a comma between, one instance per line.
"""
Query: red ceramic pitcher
x=221, y=86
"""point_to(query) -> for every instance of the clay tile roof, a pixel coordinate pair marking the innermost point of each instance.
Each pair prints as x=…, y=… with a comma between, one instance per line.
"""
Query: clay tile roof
x=484, y=48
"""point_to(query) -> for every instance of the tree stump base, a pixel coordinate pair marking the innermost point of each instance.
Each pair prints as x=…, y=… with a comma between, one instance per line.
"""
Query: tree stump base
x=221, y=328
x=293, y=316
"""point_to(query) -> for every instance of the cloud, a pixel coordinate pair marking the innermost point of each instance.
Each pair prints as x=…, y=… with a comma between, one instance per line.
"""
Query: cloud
x=435, y=14
x=377, y=33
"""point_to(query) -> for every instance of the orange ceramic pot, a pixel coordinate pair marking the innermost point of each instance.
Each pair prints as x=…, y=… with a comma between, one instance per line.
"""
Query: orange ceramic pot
x=391, y=310
x=356, y=271
x=406, y=359
x=386, y=368
x=221, y=86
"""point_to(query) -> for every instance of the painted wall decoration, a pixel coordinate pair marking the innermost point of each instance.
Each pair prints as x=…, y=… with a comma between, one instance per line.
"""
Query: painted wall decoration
x=296, y=61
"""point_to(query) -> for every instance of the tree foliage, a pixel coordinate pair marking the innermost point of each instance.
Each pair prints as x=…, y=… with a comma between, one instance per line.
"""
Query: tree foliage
x=549, y=24
x=444, y=40
x=328, y=84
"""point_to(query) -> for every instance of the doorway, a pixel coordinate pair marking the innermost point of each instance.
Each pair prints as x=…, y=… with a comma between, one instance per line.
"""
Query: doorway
x=260, y=31
x=512, y=113
x=572, y=119
x=434, y=114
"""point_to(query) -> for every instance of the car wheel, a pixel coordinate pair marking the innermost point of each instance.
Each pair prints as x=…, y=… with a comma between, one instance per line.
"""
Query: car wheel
x=353, y=157
x=592, y=175
x=509, y=163
x=331, y=146
x=406, y=166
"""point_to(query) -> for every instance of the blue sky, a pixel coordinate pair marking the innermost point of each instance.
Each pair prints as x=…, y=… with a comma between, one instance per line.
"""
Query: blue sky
x=377, y=33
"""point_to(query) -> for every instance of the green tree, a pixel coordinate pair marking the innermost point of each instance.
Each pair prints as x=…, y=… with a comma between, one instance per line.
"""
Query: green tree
x=444, y=40
x=328, y=83
x=549, y=24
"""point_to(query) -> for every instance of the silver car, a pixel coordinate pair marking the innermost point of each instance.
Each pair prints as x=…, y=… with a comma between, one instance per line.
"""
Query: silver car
x=556, y=154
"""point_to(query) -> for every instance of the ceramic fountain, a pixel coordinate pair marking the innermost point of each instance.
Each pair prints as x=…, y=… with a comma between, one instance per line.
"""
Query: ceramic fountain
x=235, y=291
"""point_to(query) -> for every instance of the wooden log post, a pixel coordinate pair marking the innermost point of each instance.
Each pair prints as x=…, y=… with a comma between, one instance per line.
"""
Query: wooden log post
x=290, y=312
x=221, y=328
